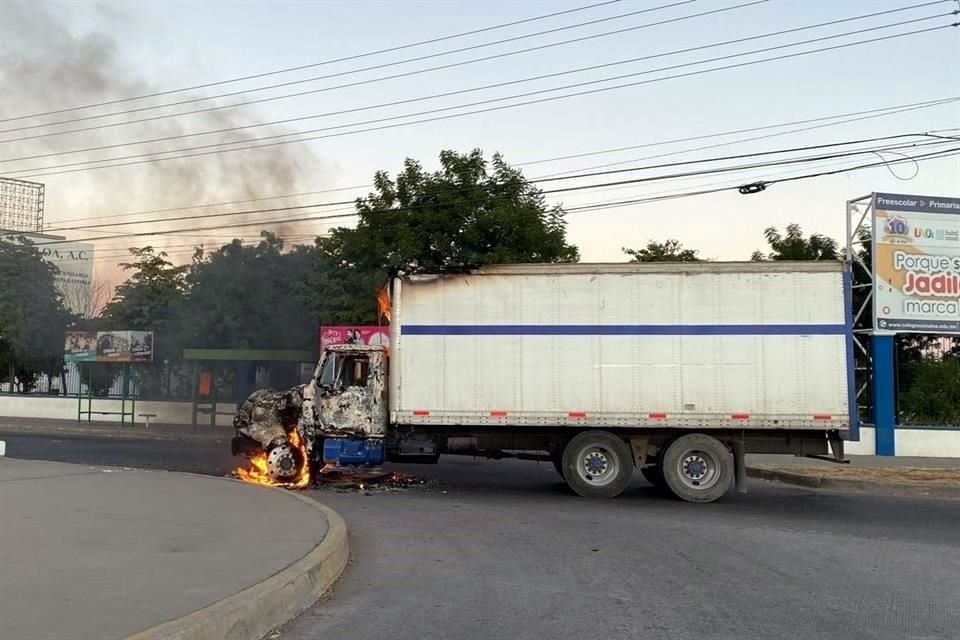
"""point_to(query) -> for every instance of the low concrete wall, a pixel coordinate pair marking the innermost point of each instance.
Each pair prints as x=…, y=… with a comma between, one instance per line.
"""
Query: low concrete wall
x=866, y=446
x=929, y=443
x=921, y=443
x=65, y=408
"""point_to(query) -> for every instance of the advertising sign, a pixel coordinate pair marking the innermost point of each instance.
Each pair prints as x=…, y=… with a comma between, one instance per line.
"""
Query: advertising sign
x=113, y=346
x=330, y=336
x=81, y=346
x=74, y=261
x=141, y=346
x=108, y=346
x=916, y=263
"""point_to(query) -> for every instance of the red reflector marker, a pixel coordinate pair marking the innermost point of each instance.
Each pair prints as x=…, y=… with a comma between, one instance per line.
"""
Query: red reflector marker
x=741, y=416
x=657, y=416
x=579, y=415
x=421, y=412
x=822, y=416
x=498, y=414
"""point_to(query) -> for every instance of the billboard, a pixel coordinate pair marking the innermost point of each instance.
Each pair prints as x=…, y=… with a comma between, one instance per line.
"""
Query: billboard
x=916, y=263
x=330, y=336
x=81, y=346
x=74, y=260
x=108, y=346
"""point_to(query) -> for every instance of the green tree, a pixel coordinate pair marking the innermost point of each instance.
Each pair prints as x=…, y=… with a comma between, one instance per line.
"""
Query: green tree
x=149, y=300
x=339, y=292
x=468, y=213
x=33, y=319
x=794, y=246
x=933, y=395
x=669, y=251
x=249, y=297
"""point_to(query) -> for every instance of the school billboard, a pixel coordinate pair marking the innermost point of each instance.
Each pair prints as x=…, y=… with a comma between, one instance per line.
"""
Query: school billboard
x=916, y=263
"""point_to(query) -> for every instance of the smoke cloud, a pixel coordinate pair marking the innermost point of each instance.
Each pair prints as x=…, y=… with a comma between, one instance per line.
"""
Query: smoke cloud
x=47, y=63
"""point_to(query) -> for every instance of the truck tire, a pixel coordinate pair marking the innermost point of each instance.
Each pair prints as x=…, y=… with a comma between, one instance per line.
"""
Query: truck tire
x=697, y=468
x=597, y=464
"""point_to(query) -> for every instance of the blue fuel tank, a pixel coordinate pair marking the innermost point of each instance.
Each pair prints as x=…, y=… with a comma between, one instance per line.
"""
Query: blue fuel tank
x=344, y=451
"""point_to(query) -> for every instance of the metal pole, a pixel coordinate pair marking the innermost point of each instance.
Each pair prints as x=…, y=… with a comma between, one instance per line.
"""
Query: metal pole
x=884, y=408
x=133, y=399
x=89, y=393
x=123, y=395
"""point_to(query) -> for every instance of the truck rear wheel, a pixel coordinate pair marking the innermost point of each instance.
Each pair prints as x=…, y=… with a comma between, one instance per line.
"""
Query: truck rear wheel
x=597, y=464
x=697, y=468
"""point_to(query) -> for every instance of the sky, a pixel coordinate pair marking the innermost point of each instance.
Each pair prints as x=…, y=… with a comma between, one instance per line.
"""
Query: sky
x=56, y=55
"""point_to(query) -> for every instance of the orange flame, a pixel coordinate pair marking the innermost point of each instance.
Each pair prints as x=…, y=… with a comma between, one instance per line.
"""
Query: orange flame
x=258, y=472
x=383, y=303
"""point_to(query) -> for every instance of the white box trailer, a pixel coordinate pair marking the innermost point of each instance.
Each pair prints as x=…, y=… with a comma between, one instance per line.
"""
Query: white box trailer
x=760, y=345
x=675, y=369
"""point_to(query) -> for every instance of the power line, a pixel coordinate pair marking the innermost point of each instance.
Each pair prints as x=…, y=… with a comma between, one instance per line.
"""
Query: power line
x=615, y=204
x=578, y=176
x=753, y=138
x=567, y=189
x=865, y=114
x=919, y=158
x=485, y=110
x=210, y=204
x=213, y=215
x=700, y=172
x=342, y=86
x=315, y=64
x=486, y=87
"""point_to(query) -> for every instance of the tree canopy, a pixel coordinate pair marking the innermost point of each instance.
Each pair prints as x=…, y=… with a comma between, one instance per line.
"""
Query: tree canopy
x=468, y=213
x=33, y=318
x=794, y=246
x=668, y=251
x=249, y=297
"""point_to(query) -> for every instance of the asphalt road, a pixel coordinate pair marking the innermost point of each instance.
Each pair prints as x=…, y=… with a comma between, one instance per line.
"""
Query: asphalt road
x=501, y=549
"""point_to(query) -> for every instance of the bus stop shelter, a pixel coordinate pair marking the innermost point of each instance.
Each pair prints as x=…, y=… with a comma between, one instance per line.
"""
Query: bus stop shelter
x=212, y=367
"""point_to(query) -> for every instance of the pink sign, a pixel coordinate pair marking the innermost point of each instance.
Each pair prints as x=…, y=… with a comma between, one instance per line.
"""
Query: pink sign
x=330, y=336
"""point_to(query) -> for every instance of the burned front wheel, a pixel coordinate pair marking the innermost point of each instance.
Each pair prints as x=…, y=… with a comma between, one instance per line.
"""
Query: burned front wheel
x=597, y=464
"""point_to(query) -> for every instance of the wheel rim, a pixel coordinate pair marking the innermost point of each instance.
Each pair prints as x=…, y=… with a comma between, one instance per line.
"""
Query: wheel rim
x=597, y=465
x=698, y=470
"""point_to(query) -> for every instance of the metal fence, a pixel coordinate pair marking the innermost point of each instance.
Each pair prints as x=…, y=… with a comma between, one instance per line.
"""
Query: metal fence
x=166, y=382
x=928, y=380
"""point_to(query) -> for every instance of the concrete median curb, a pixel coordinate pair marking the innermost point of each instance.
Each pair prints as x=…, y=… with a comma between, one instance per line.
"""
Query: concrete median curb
x=255, y=611
x=846, y=484
x=115, y=431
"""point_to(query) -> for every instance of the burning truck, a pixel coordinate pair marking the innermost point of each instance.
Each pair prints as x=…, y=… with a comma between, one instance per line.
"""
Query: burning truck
x=673, y=369
x=336, y=418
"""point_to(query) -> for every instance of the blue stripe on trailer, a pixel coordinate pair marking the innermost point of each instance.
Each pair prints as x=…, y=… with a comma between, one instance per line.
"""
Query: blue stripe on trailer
x=624, y=330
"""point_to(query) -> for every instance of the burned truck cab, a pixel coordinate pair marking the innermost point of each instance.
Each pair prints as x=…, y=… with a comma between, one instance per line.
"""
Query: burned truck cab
x=345, y=405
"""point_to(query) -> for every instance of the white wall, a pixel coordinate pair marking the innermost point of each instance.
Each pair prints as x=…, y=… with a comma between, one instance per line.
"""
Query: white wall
x=922, y=443
x=867, y=445
x=936, y=443
x=52, y=408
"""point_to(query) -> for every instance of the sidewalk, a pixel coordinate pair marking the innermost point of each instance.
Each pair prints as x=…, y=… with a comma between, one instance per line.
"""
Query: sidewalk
x=43, y=426
x=91, y=553
x=938, y=477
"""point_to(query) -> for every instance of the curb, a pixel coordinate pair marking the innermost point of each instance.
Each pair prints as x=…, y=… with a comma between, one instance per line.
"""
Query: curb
x=820, y=482
x=257, y=610
x=118, y=433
